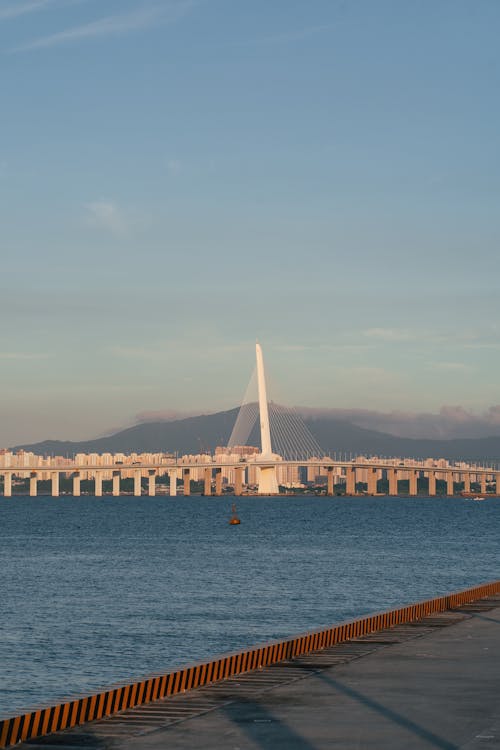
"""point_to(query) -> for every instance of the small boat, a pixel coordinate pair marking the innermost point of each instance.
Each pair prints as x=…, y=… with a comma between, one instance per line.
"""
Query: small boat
x=234, y=520
x=478, y=498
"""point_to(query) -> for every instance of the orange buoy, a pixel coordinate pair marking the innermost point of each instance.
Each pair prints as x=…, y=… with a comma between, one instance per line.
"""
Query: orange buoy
x=234, y=520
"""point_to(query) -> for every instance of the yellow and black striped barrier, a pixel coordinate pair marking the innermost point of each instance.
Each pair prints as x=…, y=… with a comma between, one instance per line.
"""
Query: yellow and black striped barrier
x=80, y=710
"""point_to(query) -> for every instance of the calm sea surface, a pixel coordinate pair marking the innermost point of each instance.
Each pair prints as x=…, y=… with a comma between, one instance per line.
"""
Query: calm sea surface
x=95, y=591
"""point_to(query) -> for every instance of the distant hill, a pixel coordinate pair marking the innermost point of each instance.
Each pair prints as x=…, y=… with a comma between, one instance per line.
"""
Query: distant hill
x=205, y=432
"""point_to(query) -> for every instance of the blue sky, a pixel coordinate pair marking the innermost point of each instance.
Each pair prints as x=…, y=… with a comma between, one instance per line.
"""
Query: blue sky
x=180, y=178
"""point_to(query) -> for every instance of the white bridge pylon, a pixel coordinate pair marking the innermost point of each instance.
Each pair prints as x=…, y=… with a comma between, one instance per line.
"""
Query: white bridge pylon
x=268, y=482
x=283, y=434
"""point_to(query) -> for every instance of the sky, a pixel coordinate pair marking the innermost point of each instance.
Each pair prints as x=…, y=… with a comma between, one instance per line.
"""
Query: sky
x=179, y=178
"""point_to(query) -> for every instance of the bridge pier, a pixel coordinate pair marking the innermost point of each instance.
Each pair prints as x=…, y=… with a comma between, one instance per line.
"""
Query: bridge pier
x=371, y=481
x=137, y=483
x=497, y=483
x=483, y=483
x=350, y=480
x=466, y=479
x=151, y=483
x=238, y=480
x=207, y=482
x=55, y=483
x=267, y=480
x=115, y=490
x=330, y=481
x=432, y=484
x=449, y=483
x=393, y=481
x=186, y=476
x=33, y=484
x=172, y=476
x=76, y=484
x=7, y=484
x=98, y=484
x=412, y=484
x=218, y=481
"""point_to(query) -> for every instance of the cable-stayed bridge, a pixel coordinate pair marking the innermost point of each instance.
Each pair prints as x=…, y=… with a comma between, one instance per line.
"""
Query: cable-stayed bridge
x=286, y=445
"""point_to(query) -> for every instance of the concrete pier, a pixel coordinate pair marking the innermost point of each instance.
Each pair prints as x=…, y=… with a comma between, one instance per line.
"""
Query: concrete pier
x=393, y=481
x=412, y=483
x=172, y=476
x=98, y=484
x=137, y=483
x=467, y=482
x=186, y=475
x=330, y=481
x=151, y=482
x=350, y=480
x=372, y=481
x=207, y=482
x=238, y=481
x=55, y=484
x=7, y=484
x=218, y=481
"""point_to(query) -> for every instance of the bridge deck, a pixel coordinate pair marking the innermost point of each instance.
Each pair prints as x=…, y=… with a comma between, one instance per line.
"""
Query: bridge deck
x=434, y=683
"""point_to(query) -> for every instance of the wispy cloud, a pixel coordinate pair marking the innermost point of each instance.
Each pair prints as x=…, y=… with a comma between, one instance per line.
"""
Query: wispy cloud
x=116, y=25
x=12, y=10
x=107, y=215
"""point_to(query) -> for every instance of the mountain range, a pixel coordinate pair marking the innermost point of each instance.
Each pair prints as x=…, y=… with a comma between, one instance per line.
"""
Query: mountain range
x=203, y=433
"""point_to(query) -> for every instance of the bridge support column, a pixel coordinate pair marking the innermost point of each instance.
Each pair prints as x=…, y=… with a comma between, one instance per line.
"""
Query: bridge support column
x=497, y=483
x=432, y=484
x=186, y=474
x=267, y=481
x=76, y=484
x=350, y=480
x=393, y=481
x=98, y=484
x=238, y=480
x=116, y=484
x=372, y=481
x=330, y=481
x=412, y=484
x=218, y=481
x=33, y=484
x=483, y=484
x=207, y=482
x=172, y=476
x=7, y=484
x=466, y=478
x=151, y=483
x=137, y=483
x=55, y=484
x=449, y=483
